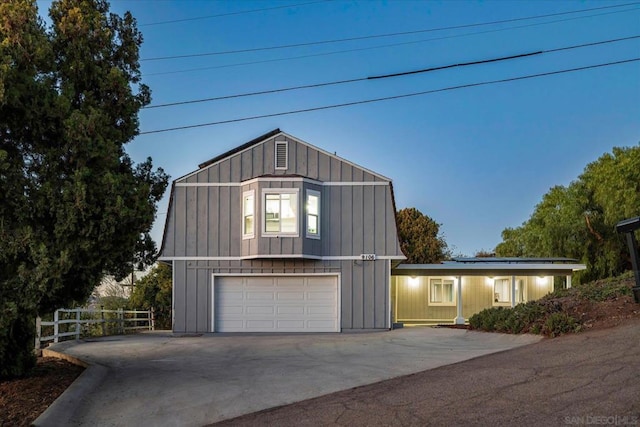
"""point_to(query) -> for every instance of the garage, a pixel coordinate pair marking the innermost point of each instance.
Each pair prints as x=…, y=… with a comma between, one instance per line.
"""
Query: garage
x=290, y=303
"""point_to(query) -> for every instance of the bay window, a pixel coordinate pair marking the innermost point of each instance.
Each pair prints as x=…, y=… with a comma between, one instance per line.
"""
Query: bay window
x=280, y=212
x=313, y=214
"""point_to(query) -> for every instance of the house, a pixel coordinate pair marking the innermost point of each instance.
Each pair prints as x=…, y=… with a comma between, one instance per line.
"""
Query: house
x=454, y=291
x=279, y=235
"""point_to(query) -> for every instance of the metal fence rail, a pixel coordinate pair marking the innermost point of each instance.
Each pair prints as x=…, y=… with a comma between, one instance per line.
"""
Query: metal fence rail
x=81, y=320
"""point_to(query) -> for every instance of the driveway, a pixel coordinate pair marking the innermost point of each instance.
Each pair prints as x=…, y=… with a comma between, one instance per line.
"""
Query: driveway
x=162, y=379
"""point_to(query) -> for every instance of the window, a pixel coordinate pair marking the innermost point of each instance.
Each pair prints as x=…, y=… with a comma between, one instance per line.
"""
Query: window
x=441, y=292
x=313, y=214
x=248, y=216
x=281, y=155
x=501, y=291
x=280, y=213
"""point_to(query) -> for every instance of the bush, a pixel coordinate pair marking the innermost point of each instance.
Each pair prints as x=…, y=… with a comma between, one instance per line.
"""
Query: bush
x=155, y=291
x=17, y=328
x=603, y=290
x=548, y=315
x=525, y=317
x=559, y=323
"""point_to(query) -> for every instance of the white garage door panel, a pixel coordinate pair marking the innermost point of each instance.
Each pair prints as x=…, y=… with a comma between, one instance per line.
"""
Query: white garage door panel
x=257, y=326
x=260, y=296
x=289, y=295
x=321, y=310
x=260, y=310
x=290, y=310
x=276, y=304
x=320, y=296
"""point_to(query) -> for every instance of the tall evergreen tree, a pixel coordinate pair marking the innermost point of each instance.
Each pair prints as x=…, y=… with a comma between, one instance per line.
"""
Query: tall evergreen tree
x=74, y=205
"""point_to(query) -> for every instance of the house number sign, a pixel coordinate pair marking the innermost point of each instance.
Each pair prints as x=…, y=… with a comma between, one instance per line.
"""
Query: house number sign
x=368, y=257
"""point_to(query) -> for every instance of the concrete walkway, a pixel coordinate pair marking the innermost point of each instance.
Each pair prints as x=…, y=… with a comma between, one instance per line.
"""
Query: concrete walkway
x=164, y=380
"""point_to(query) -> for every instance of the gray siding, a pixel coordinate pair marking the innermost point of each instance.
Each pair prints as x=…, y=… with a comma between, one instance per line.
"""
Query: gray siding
x=364, y=287
x=356, y=217
x=206, y=221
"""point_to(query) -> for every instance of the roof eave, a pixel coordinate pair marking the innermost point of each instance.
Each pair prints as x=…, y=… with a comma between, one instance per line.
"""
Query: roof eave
x=487, y=269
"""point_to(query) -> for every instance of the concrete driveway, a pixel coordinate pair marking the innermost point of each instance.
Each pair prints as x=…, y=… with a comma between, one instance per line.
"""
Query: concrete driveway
x=162, y=379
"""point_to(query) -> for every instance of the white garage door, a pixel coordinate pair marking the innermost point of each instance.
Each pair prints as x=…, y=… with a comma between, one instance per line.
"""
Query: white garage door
x=276, y=304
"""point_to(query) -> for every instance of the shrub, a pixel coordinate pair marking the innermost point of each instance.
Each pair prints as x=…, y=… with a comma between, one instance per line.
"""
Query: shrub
x=603, y=290
x=516, y=320
x=17, y=326
x=559, y=323
x=550, y=314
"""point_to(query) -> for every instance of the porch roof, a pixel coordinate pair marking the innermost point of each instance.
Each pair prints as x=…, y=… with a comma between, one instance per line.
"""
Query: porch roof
x=493, y=267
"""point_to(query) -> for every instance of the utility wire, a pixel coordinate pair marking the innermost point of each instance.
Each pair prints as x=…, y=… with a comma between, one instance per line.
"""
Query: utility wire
x=454, y=27
x=380, y=46
x=264, y=92
x=368, y=101
x=425, y=70
x=242, y=12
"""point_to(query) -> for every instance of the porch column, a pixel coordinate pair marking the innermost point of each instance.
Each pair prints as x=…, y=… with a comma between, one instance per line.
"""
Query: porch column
x=513, y=291
x=459, y=320
x=568, y=281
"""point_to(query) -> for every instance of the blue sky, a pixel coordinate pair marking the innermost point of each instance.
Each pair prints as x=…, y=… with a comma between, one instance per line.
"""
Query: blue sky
x=476, y=159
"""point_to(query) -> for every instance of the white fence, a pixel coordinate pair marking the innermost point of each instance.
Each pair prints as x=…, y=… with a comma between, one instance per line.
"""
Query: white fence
x=76, y=322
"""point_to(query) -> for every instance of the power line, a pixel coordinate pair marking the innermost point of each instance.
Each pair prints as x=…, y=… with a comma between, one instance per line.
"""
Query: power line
x=242, y=12
x=380, y=46
x=316, y=85
x=425, y=70
x=368, y=101
x=454, y=27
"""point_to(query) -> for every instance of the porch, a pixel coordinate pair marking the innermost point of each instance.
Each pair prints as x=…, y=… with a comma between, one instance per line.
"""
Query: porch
x=453, y=291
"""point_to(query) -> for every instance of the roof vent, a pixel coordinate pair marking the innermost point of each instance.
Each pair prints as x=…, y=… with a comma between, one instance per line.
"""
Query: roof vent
x=281, y=154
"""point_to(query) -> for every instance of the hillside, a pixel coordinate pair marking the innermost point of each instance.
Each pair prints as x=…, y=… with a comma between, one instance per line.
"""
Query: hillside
x=599, y=304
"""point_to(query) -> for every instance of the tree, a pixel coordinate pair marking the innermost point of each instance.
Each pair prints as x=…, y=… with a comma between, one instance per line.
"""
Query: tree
x=579, y=221
x=74, y=205
x=482, y=253
x=155, y=291
x=419, y=236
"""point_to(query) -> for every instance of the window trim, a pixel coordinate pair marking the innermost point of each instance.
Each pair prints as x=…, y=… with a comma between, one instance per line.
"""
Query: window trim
x=442, y=280
x=318, y=194
x=493, y=295
x=246, y=235
x=263, y=199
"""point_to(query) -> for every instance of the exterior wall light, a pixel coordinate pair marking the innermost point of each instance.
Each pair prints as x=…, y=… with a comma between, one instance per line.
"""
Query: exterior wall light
x=414, y=282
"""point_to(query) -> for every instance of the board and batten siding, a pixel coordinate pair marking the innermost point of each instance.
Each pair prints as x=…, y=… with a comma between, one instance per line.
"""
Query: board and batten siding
x=411, y=303
x=363, y=289
x=207, y=220
x=203, y=232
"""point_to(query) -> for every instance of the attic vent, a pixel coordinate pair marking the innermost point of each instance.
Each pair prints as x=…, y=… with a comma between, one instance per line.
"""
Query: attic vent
x=281, y=154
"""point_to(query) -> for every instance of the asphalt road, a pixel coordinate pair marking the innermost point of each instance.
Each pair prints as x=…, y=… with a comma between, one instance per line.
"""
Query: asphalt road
x=592, y=378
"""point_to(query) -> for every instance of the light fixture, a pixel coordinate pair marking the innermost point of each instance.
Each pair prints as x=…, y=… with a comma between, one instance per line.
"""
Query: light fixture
x=541, y=280
x=413, y=282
